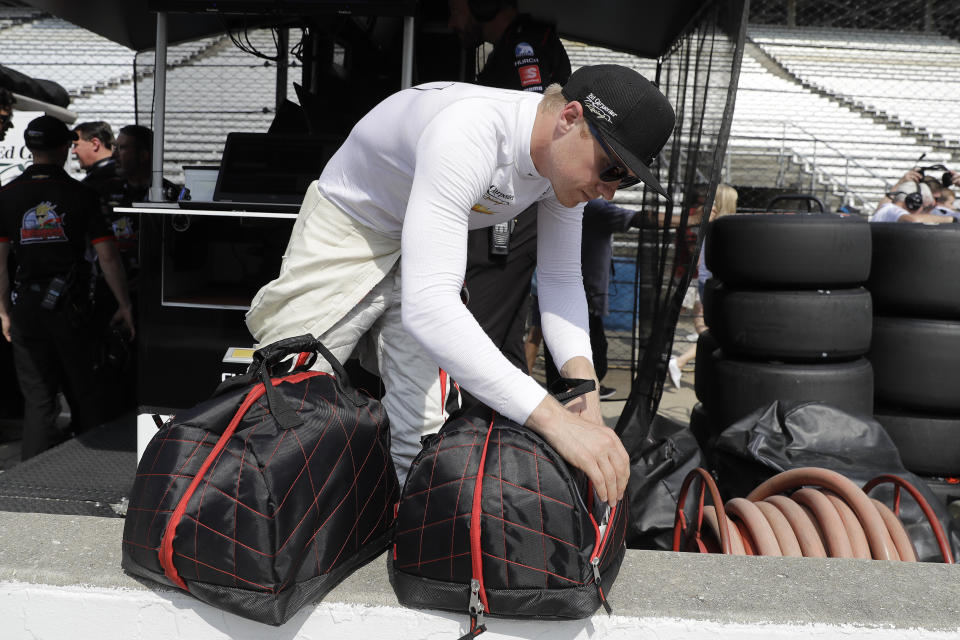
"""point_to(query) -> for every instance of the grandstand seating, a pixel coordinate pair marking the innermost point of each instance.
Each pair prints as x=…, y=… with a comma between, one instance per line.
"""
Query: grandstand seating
x=905, y=75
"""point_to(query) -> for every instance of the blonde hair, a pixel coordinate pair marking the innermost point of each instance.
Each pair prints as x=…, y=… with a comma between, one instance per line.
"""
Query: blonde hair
x=553, y=100
x=725, y=201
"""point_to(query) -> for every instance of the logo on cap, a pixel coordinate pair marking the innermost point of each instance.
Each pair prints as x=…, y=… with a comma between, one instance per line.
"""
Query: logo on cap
x=599, y=109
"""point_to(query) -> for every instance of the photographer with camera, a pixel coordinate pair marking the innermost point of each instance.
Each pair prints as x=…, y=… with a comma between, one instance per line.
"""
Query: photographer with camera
x=48, y=220
x=913, y=200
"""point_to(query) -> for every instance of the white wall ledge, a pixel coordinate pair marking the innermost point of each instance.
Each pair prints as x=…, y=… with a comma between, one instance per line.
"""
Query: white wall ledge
x=60, y=578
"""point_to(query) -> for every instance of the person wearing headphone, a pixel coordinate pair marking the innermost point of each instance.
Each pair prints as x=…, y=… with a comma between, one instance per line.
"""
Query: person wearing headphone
x=527, y=56
x=911, y=201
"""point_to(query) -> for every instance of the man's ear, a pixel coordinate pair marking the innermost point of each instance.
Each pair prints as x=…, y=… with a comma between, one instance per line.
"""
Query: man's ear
x=571, y=114
x=96, y=143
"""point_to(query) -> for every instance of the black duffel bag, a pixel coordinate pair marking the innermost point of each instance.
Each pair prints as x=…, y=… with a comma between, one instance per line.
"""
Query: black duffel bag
x=267, y=495
x=528, y=541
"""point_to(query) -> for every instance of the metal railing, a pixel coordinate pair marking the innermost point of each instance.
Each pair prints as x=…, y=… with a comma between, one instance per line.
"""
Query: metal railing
x=810, y=163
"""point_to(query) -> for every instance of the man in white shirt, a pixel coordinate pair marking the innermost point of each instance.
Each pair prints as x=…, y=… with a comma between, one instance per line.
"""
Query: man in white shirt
x=377, y=256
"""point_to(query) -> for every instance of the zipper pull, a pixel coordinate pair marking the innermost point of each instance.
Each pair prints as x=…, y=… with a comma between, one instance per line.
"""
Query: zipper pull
x=595, y=563
x=477, y=625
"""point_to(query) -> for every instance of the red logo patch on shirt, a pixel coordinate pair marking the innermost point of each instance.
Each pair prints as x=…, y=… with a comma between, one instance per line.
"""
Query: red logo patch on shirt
x=529, y=75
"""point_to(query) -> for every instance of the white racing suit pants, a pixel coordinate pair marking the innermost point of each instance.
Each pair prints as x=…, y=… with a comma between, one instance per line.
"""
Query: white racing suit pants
x=340, y=281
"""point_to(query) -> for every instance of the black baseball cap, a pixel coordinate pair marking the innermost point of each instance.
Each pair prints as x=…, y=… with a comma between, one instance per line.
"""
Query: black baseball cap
x=46, y=132
x=629, y=111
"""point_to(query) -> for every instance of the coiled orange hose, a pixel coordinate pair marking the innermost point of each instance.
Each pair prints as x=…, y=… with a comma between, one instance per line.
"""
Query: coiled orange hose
x=824, y=515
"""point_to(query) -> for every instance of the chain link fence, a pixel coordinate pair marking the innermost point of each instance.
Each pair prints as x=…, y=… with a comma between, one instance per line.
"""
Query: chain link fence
x=840, y=99
x=214, y=86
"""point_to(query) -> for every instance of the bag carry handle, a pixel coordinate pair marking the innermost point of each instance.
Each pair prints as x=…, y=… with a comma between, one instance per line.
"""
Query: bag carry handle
x=566, y=389
x=265, y=358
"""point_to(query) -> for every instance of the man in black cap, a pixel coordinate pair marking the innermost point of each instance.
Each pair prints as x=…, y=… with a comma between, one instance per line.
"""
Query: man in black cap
x=377, y=256
x=49, y=220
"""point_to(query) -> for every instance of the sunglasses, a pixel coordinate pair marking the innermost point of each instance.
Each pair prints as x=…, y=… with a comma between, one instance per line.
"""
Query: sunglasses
x=616, y=172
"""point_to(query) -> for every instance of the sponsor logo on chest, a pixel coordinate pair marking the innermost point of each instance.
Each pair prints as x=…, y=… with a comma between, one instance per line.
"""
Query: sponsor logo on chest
x=494, y=197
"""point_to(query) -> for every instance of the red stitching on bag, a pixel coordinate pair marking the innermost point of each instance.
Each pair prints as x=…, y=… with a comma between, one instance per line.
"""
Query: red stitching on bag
x=335, y=509
x=543, y=543
x=431, y=524
x=223, y=535
x=542, y=533
x=543, y=495
x=196, y=531
x=525, y=566
x=427, y=505
x=306, y=465
x=533, y=453
x=316, y=493
x=356, y=522
x=442, y=484
x=456, y=506
x=503, y=526
x=170, y=486
x=227, y=573
x=443, y=559
x=376, y=524
x=166, y=545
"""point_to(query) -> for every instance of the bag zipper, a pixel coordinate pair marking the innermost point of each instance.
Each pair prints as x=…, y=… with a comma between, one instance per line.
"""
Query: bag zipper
x=597, y=551
x=478, y=594
x=166, y=542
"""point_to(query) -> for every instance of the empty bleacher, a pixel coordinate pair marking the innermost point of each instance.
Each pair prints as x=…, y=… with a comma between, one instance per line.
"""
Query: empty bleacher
x=906, y=76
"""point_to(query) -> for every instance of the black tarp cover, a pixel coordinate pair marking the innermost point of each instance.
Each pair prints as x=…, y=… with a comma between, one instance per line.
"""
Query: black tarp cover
x=43, y=90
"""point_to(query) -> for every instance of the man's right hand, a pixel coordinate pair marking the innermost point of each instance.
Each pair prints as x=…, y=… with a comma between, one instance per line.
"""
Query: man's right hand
x=593, y=448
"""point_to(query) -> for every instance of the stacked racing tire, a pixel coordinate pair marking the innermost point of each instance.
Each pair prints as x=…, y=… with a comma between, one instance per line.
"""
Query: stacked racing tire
x=788, y=317
x=916, y=344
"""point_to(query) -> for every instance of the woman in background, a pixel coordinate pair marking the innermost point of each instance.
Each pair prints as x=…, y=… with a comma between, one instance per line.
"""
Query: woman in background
x=724, y=203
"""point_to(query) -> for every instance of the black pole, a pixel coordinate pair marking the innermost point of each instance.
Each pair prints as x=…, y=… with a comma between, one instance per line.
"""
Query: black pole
x=283, y=47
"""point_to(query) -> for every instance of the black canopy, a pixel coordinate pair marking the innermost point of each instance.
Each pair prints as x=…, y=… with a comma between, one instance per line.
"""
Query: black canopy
x=645, y=28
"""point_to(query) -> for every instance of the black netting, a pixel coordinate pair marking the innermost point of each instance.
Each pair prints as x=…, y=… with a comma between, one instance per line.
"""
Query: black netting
x=699, y=77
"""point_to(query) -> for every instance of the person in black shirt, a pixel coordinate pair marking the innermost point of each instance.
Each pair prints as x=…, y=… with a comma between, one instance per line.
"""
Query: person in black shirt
x=527, y=56
x=49, y=220
x=93, y=150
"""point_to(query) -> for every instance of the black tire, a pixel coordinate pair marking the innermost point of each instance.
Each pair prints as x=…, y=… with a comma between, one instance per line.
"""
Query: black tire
x=789, y=250
x=914, y=270
x=793, y=326
x=928, y=444
x=746, y=386
x=705, y=370
x=916, y=363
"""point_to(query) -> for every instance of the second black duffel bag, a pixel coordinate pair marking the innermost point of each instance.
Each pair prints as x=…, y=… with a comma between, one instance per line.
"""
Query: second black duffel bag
x=527, y=540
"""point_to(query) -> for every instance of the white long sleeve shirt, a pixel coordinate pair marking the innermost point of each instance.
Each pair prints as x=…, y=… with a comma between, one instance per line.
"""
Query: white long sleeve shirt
x=425, y=166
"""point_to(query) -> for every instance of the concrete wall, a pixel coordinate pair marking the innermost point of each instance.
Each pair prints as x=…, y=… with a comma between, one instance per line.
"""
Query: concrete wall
x=60, y=579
